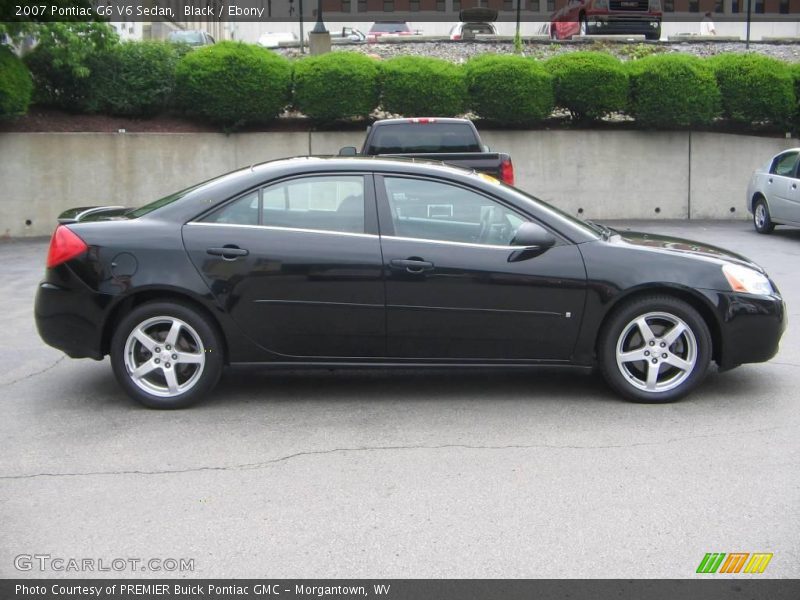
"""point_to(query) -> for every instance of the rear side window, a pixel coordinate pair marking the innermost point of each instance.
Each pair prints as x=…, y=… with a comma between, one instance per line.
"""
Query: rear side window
x=412, y=138
x=784, y=164
x=327, y=203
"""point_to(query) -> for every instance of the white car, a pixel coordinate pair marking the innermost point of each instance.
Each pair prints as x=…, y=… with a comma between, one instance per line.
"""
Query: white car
x=773, y=196
x=273, y=39
x=466, y=31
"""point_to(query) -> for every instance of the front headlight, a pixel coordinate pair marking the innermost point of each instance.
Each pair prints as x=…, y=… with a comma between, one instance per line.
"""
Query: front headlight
x=744, y=279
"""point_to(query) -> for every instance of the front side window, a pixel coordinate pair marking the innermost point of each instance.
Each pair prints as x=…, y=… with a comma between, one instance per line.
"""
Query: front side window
x=784, y=164
x=430, y=210
x=325, y=203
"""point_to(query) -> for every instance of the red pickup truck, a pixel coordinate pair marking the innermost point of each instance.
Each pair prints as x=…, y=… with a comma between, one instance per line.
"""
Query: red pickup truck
x=592, y=17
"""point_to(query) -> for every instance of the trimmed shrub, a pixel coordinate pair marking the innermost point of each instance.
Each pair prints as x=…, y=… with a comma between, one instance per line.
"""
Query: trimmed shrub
x=132, y=79
x=755, y=88
x=589, y=84
x=509, y=89
x=336, y=85
x=672, y=91
x=16, y=85
x=416, y=86
x=233, y=83
x=55, y=84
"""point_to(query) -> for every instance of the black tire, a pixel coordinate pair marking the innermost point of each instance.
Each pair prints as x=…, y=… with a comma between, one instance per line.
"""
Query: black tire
x=762, y=221
x=622, y=340
x=184, y=373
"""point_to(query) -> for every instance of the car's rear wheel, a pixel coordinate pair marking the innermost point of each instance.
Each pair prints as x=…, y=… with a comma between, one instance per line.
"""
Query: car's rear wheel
x=655, y=349
x=166, y=355
x=762, y=220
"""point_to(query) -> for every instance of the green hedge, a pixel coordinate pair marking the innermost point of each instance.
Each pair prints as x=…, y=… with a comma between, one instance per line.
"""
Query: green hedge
x=509, y=89
x=132, y=79
x=589, y=84
x=16, y=85
x=336, y=85
x=415, y=86
x=232, y=83
x=755, y=88
x=56, y=84
x=673, y=90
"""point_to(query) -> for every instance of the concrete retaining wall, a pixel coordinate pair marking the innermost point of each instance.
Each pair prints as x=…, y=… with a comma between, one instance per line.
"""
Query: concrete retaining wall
x=594, y=174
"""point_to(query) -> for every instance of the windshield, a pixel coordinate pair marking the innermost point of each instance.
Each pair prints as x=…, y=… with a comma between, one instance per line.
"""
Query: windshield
x=588, y=227
x=188, y=37
x=413, y=138
x=389, y=28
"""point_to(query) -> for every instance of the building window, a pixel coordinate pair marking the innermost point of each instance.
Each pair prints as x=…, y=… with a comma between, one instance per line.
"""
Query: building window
x=735, y=6
x=669, y=5
x=718, y=6
x=551, y=5
x=783, y=8
x=440, y=5
x=456, y=5
x=759, y=8
x=345, y=6
x=388, y=5
x=694, y=5
x=362, y=5
x=508, y=4
x=413, y=5
x=533, y=5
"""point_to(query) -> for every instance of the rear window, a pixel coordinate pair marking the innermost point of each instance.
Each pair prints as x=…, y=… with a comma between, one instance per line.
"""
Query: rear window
x=411, y=138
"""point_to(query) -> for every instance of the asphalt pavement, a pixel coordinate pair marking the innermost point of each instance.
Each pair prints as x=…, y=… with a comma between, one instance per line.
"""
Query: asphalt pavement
x=420, y=474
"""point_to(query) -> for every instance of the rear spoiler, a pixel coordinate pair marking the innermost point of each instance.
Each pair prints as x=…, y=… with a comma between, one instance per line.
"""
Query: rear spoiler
x=89, y=213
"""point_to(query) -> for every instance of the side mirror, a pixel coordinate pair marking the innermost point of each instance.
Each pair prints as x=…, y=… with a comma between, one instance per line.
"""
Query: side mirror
x=485, y=148
x=533, y=239
x=348, y=151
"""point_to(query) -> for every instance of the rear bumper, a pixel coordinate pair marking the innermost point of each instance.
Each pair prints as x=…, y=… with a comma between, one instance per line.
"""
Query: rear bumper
x=751, y=327
x=70, y=318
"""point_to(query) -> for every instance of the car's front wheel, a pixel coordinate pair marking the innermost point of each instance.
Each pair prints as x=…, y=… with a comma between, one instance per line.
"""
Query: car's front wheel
x=762, y=220
x=655, y=349
x=166, y=355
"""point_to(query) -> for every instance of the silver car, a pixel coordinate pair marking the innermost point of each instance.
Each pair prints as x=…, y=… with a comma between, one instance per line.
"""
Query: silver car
x=773, y=197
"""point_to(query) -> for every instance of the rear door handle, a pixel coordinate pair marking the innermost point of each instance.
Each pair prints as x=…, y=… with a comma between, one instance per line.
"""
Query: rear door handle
x=228, y=252
x=411, y=265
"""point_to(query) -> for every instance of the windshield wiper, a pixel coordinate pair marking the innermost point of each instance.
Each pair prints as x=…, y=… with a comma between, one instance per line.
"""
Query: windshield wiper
x=603, y=230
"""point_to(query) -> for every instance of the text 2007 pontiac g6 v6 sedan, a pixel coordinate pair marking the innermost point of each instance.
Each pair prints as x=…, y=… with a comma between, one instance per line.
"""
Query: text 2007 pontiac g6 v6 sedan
x=356, y=261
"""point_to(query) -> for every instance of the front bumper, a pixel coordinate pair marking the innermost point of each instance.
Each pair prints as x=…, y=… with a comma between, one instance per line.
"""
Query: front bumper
x=750, y=327
x=69, y=316
x=642, y=25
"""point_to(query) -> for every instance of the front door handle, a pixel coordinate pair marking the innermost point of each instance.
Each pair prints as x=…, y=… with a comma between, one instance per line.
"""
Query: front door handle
x=229, y=252
x=411, y=265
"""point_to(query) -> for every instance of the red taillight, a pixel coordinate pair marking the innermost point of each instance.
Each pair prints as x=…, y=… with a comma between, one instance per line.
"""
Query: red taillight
x=64, y=245
x=456, y=36
x=507, y=171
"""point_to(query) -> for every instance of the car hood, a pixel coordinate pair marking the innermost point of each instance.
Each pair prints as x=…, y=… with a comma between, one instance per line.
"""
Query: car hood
x=680, y=246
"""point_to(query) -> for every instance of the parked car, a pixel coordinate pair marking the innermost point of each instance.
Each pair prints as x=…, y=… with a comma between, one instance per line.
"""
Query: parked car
x=591, y=17
x=342, y=262
x=466, y=31
x=348, y=35
x=773, y=197
x=388, y=28
x=192, y=37
x=273, y=39
x=454, y=141
x=474, y=21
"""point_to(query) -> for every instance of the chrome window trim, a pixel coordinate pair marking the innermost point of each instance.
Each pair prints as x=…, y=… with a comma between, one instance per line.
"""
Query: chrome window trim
x=291, y=229
x=449, y=243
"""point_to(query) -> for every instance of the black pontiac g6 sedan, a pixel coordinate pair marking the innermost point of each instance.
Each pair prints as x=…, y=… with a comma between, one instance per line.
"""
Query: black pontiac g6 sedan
x=339, y=262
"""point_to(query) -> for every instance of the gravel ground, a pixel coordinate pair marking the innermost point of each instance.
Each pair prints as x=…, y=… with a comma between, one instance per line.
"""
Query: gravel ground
x=461, y=51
